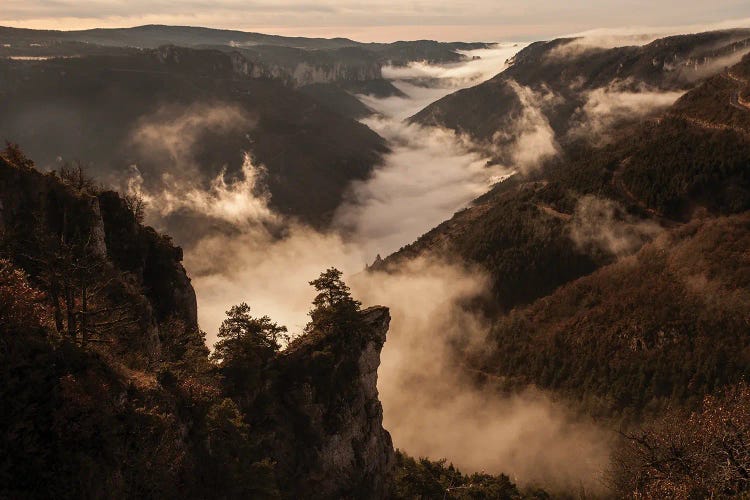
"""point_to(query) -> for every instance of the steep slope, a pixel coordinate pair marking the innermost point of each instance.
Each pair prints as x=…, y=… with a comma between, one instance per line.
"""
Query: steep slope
x=563, y=73
x=663, y=170
x=662, y=328
x=107, y=388
x=577, y=308
x=206, y=107
x=328, y=435
x=337, y=99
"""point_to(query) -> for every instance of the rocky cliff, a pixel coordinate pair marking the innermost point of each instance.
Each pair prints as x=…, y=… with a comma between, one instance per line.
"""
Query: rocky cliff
x=44, y=219
x=329, y=439
x=107, y=388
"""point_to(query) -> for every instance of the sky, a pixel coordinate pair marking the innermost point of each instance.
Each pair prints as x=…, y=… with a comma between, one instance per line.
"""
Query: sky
x=382, y=20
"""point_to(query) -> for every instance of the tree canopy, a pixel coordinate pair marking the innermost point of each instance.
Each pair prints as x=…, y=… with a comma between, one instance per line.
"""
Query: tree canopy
x=333, y=306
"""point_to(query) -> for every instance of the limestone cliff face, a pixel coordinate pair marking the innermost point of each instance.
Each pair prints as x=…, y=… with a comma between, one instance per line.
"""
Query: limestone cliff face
x=36, y=208
x=328, y=438
x=306, y=74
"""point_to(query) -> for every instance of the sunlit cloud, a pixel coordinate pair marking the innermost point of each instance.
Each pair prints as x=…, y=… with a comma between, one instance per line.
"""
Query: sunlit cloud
x=380, y=20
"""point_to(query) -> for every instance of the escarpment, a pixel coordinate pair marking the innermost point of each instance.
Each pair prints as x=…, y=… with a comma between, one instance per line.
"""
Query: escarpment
x=106, y=378
x=46, y=220
x=329, y=438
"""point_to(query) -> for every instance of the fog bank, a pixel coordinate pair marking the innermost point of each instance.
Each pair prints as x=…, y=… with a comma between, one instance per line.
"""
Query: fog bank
x=431, y=407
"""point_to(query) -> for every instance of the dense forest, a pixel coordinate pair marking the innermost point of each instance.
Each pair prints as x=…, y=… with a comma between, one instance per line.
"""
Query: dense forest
x=620, y=283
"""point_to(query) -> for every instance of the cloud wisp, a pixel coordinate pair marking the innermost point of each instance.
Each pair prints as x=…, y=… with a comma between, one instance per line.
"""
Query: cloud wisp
x=431, y=404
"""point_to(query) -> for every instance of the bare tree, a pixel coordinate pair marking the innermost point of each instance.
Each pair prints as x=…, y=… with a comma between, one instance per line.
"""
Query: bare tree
x=702, y=454
x=80, y=284
x=74, y=175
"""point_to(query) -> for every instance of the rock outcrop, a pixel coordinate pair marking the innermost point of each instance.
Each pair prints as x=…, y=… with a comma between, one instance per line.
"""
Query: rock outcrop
x=39, y=209
x=309, y=426
x=329, y=440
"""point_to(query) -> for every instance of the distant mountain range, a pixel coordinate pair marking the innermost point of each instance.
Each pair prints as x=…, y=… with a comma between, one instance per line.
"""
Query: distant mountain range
x=564, y=72
x=78, y=95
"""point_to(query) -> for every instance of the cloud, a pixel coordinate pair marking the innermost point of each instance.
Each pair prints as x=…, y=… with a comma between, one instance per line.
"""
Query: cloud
x=432, y=406
x=481, y=64
x=423, y=83
x=600, y=224
x=428, y=175
x=241, y=201
x=687, y=69
x=642, y=34
x=529, y=138
x=170, y=136
x=431, y=403
x=606, y=106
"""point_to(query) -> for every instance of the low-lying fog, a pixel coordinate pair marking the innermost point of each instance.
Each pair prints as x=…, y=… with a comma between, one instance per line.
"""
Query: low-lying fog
x=430, y=407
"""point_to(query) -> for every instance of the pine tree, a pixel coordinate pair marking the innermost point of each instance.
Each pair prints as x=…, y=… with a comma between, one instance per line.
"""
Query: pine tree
x=334, y=306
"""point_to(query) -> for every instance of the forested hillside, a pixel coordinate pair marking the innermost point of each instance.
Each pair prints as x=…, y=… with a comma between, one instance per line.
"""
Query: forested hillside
x=620, y=272
x=206, y=107
x=561, y=77
x=108, y=389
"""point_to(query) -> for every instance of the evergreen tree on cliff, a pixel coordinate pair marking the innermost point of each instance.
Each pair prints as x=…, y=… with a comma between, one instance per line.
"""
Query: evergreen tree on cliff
x=333, y=306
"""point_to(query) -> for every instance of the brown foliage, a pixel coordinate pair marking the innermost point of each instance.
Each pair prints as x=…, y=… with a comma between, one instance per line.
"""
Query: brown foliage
x=705, y=454
x=21, y=306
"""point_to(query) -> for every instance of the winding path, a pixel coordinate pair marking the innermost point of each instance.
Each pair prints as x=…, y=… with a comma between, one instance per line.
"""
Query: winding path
x=735, y=98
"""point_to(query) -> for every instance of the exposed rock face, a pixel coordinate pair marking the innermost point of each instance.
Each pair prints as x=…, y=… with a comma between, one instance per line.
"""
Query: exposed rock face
x=329, y=438
x=97, y=230
x=34, y=203
x=312, y=425
x=306, y=74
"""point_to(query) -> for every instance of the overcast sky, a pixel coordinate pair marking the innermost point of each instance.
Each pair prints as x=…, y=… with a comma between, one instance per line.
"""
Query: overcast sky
x=381, y=20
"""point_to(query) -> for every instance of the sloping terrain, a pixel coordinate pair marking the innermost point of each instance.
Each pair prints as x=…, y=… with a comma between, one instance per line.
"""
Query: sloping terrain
x=206, y=105
x=662, y=328
x=563, y=73
x=107, y=387
x=576, y=306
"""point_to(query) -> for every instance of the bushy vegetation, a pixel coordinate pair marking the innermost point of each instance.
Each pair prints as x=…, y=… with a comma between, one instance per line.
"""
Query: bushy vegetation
x=701, y=454
x=664, y=327
x=675, y=166
x=423, y=479
x=106, y=384
x=627, y=339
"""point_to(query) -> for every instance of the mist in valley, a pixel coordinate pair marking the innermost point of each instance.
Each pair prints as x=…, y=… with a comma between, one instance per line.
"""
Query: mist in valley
x=545, y=244
x=432, y=405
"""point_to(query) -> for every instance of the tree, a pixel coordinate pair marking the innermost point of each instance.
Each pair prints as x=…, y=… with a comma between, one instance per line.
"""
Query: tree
x=245, y=345
x=74, y=175
x=21, y=308
x=79, y=283
x=241, y=331
x=14, y=155
x=333, y=305
x=705, y=454
x=137, y=206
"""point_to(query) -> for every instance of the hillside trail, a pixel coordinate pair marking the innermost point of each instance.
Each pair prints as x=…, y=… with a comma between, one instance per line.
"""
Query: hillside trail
x=735, y=99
